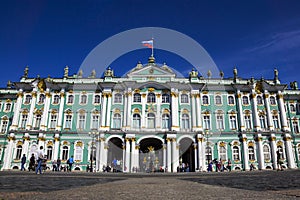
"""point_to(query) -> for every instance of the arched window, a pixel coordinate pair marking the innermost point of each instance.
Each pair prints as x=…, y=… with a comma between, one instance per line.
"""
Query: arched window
x=137, y=98
x=83, y=99
x=295, y=126
x=56, y=99
x=275, y=121
x=280, y=150
x=53, y=120
x=118, y=98
x=292, y=108
x=81, y=120
x=205, y=100
x=266, y=151
x=272, y=100
x=37, y=123
x=136, y=121
x=49, y=152
x=218, y=100
x=151, y=98
x=78, y=152
x=232, y=122
x=151, y=120
x=206, y=122
x=4, y=124
x=251, y=153
x=70, y=99
x=165, y=121
x=19, y=152
x=259, y=100
x=165, y=98
x=222, y=153
x=27, y=99
x=220, y=122
x=95, y=121
x=236, y=153
x=97, y=99
x=65, y=153
x=245, y=100
x=185, y=121
x=117, y=121
x=230, y=100
x=68, y=121
x=184, y=98
x=262, y=120
x=41, y=99
x=24, y=120
x=7, y=107
x=208, y=154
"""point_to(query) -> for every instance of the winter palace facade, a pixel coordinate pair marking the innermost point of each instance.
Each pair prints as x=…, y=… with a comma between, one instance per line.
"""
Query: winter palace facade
x=151, y=120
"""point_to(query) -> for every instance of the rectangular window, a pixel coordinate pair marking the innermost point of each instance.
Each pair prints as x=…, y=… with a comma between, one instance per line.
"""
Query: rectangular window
x=53, y=121
x=68, y=122
x=248, y=122
x=275, y=122
x=24, y=121
x=206, y=122
x=4, y=126
x=81, y=123
x=95, y=122
x=220, y=122
x=232, y=120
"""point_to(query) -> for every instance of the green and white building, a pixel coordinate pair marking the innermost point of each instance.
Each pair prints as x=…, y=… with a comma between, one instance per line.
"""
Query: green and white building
x=150, y=120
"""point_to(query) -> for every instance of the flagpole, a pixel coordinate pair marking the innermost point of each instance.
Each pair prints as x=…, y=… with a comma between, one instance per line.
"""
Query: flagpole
x=152, y=47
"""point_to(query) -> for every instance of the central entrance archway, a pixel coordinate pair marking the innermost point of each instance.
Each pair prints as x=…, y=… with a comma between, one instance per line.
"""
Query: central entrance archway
x=115, y=153
x=151, y=155
x=187, y=153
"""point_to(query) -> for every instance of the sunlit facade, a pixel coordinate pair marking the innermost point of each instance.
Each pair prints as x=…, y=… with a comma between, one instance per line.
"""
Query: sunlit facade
x=151, y=120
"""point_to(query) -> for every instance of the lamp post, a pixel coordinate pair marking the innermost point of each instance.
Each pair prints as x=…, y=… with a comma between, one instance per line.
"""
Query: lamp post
x=93, y=135
x=207, y=135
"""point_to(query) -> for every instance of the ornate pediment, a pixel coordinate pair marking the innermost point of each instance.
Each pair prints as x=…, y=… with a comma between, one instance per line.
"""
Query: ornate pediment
x=151, y=70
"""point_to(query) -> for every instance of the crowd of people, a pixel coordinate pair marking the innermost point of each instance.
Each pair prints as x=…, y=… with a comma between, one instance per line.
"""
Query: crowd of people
x=220, y=165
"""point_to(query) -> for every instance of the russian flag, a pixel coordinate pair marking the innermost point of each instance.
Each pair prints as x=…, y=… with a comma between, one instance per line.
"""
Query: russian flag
x=148, y=43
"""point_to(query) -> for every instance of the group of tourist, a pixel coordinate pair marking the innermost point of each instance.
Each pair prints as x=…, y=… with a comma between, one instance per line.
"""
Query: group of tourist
x=219, y=165
x=38, y=164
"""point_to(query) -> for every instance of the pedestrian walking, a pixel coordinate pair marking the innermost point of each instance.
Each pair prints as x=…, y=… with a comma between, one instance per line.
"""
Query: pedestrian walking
x=23, y=161
x=229, y=165
x=70, y=162
x=58, y=163
x=40, y=160
x=32, y=163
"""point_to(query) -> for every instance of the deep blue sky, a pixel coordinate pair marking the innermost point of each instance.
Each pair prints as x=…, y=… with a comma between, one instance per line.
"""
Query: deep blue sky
x=256, y=36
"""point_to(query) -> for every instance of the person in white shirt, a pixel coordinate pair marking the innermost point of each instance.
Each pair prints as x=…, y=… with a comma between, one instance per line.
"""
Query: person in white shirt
x=40, y=160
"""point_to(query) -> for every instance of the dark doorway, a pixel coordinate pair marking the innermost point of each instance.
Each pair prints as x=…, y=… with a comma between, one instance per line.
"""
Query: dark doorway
x=151, y=155
x=115, y=153
x=187, y=154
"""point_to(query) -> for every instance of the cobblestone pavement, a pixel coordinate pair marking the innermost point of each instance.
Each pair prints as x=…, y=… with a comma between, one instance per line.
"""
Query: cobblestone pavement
x=240, y=185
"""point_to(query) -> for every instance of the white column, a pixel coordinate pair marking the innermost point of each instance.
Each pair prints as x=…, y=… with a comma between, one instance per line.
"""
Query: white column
x=98, y=145
x=195, y=156
x=143, y=117
x=108, y=114
x=127, y=159
x=56, y=146
x=164, y=156
x=283, y=115
x=269, y=116
x=158, y=112
x=194, y=111
x=245, y=152
x=105, y=151
x=261, y=162
x=128, y=117
x=9, y=152
x=25, y=147
x=61, y=110
x=175, y=157
x=30, y=114
x=101, y=152
x=169, y=154
x=17, y=110
x=198, y=114
x=200, y=156
x=273, y=150
x=46, y=111
x=134, y=154
x=254, y=110
x=103, y=110
x=174, y=108
x=241, y=115
x=41, y=140
x=289, y=151
x=125, y=115
x=124, y=157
